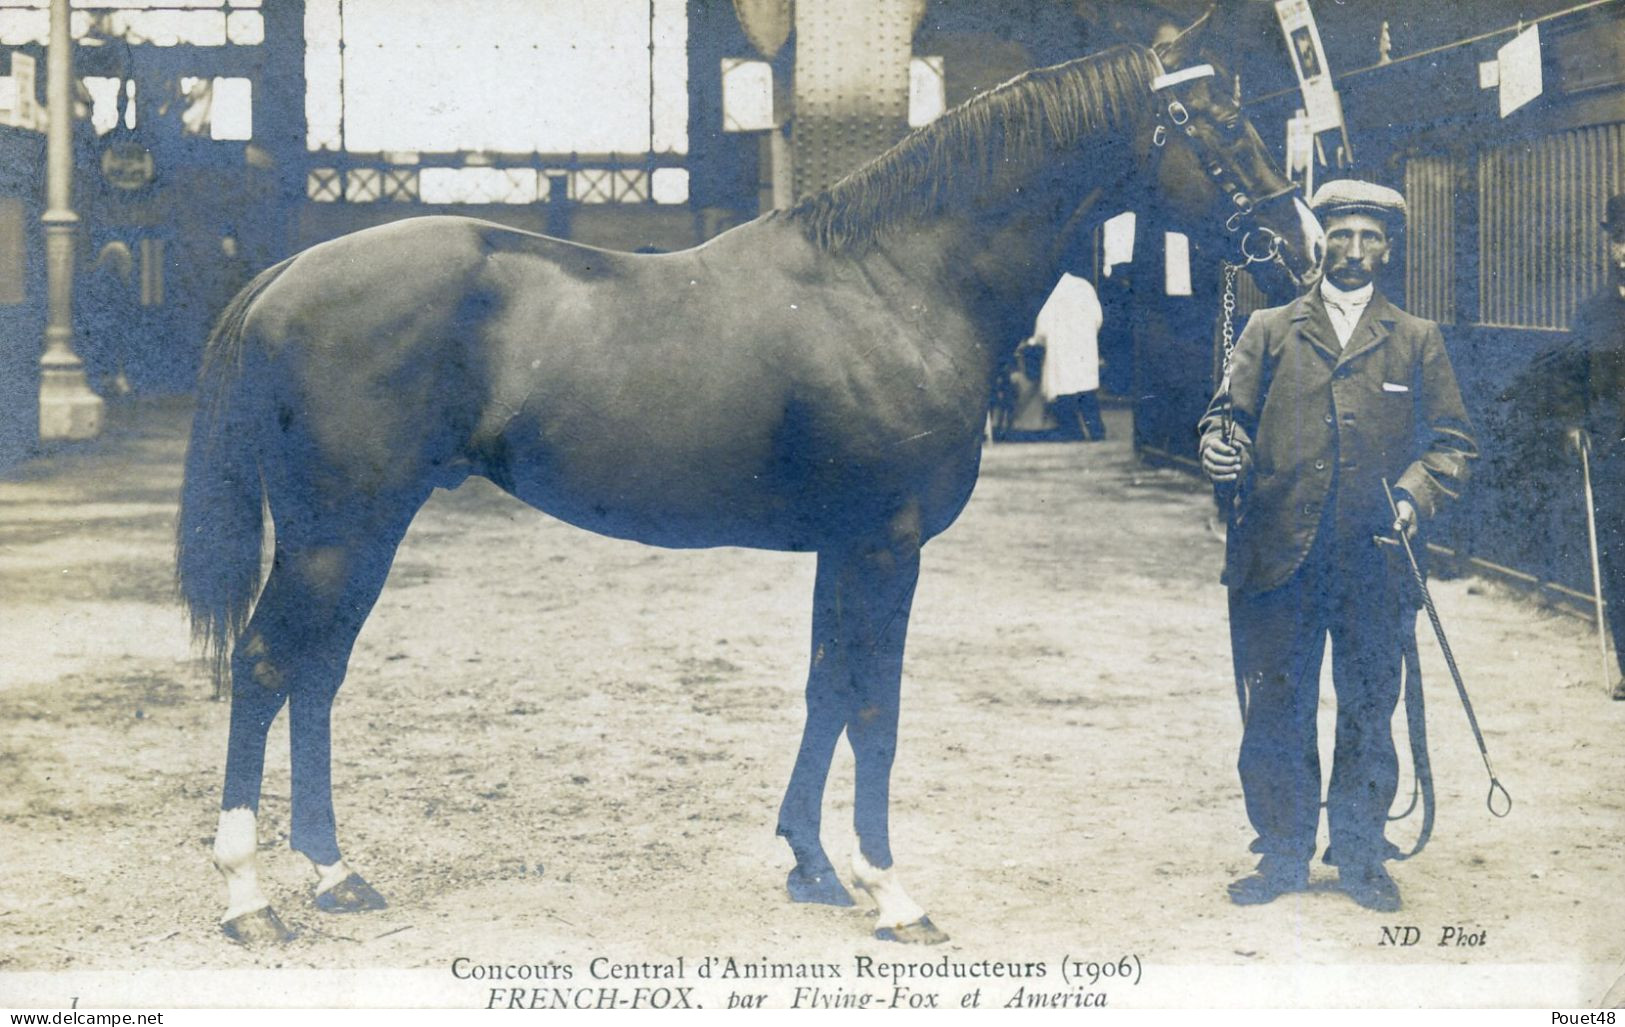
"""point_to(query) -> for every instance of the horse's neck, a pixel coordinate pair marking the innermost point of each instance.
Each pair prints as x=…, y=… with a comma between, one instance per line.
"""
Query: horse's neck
x=1004, y=263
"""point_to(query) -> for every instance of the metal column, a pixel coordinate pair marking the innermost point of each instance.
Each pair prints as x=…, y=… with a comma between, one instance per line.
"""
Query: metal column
x=851, y=85
x=67, y=407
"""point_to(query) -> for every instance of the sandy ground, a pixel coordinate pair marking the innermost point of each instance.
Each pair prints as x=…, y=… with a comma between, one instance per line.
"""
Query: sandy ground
x=553, y=745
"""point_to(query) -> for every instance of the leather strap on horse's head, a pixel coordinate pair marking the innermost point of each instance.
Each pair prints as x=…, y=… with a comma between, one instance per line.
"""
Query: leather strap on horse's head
x=1173, y=78
x=1174, y=112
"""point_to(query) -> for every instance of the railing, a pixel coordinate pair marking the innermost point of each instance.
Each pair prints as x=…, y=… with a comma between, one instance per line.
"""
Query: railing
x=508, y=179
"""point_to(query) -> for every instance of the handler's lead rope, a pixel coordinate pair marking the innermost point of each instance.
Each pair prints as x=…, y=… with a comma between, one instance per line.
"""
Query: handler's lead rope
x=1450, y=661
x=1228, y=303
x=1229, y=331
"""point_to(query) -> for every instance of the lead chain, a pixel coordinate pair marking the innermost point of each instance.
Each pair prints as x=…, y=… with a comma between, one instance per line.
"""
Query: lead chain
x=1229, y=334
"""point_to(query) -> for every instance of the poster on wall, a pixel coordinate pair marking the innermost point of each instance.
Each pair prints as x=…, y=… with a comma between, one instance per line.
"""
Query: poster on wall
x=24, y=106
x=1519, y=70
x=1308, y=55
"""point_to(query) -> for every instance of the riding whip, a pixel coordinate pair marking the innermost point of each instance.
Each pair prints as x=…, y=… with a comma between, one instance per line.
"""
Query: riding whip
x=1416, y=724
x=1450, y=661
x=1596, y=566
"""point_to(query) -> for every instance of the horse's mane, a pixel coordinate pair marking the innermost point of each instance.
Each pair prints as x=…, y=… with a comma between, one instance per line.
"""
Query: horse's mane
x=1042, y=114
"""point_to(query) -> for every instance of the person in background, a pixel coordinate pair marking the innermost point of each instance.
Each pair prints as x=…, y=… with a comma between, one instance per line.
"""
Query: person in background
x=1329, y=397
x=108, y=297
x=1585, y=384
x=1068, y=327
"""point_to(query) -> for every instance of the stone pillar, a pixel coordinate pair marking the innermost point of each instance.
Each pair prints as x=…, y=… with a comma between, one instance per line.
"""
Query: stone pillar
x=67, y=407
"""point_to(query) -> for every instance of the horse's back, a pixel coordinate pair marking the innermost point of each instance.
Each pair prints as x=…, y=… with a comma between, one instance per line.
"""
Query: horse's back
x=742, y=392
x=374, y=274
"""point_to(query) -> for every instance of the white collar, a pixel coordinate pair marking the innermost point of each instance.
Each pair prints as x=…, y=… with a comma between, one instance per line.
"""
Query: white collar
x=1346, y=298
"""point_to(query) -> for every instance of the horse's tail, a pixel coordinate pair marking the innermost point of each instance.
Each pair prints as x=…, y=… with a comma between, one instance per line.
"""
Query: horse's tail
x=219, y=532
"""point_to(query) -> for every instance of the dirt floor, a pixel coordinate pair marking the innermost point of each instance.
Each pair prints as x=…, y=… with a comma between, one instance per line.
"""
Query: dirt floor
x=554, y=746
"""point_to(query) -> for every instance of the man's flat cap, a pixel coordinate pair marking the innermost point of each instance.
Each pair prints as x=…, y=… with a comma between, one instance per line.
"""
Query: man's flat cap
x=1352, y=196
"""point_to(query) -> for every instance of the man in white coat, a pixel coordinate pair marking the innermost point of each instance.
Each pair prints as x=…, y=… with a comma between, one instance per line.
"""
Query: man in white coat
x=1068, y=327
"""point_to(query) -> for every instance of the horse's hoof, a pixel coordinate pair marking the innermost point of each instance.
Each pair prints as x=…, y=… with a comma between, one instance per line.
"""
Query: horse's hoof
x=824, y=888
x=920, y=932
x=351, y=895
x=261, y=927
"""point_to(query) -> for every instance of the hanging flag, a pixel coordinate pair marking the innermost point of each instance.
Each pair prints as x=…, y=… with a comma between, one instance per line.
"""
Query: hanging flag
x=1519, y=64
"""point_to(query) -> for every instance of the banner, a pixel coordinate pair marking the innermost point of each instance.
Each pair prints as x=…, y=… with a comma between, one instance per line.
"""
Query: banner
x=1320, y=101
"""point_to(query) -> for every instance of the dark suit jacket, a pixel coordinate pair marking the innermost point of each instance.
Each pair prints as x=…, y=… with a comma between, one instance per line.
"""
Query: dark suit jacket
x=1581, y=383
x=1320, y=421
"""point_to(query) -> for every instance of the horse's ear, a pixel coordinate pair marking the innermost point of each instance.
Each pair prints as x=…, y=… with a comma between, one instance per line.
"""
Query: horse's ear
x=1186, y=48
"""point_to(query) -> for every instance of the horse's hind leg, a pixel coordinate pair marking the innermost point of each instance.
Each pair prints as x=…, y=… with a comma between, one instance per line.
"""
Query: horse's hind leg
x=248, y=917
x=324, y=581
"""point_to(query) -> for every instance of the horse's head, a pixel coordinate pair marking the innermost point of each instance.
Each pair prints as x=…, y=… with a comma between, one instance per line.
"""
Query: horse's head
x=1212, y=168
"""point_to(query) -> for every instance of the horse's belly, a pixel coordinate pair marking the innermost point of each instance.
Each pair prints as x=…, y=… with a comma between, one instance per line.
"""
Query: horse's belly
x=626, y=484
x=749, y=487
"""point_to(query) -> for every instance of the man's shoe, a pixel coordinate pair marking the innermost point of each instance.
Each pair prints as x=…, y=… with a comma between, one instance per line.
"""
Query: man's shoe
x=1269, y=882
x=1370, y=887
x=1619, y=691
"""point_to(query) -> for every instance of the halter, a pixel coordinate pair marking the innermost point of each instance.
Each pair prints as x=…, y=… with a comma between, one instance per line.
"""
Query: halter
x=1175, y=113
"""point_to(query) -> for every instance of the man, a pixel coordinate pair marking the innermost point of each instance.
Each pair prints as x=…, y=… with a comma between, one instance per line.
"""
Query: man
x=1329, y=396
x=1586, y=379
x=1068, y=327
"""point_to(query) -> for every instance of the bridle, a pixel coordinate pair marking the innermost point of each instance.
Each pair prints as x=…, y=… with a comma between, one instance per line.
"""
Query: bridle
x=1173, y=114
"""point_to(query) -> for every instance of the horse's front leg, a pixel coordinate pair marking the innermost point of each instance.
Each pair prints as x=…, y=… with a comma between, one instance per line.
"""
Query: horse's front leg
x=876, y=596
x=829, y=702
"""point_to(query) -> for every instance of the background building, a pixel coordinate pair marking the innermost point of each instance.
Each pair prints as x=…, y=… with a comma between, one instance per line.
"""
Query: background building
x=213, y=137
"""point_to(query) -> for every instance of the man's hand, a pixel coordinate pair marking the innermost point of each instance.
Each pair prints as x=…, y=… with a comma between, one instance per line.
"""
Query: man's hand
x=1221, y=461
x=1406, y=521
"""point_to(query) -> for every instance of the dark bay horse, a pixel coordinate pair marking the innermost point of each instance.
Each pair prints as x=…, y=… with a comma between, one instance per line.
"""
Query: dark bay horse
x=815, y=380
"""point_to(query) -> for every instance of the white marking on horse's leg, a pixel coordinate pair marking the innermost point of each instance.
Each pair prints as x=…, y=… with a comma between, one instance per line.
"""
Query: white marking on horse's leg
x=329, y=874
x=235, y=844
x=896, y=908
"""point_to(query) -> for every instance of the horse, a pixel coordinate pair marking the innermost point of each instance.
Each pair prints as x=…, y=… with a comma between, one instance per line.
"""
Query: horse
x=815, y=381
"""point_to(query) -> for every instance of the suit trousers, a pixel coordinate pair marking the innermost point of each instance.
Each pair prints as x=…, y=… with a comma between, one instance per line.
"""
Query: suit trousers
x=1342, y=590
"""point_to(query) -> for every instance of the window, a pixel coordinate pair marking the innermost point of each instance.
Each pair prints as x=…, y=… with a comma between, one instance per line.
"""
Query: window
x=220, y=108
x=1117, y=236
x=499, y=76
x=1540, y=248
x=1177, y=263
x=13, y=251
x=927, y=91
x=155, y=22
